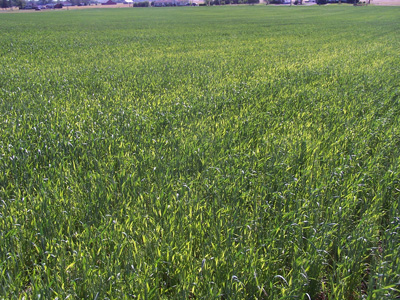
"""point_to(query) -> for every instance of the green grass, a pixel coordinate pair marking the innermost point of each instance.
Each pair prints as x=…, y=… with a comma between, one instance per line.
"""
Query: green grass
x=207, y=152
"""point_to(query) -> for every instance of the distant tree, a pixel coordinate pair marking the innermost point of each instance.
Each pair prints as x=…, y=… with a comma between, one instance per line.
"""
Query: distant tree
x=5, y=4
x=20, y=3
x=141, y=4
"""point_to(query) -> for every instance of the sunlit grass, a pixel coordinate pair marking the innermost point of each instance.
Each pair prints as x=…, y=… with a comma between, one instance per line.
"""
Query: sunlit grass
x=205, y=152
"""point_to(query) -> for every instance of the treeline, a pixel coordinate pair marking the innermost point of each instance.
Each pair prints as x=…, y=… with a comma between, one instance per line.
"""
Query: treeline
x=26, y=3
x=337, y=1
x=141, y=4
x=225, y=2
x=8, y=3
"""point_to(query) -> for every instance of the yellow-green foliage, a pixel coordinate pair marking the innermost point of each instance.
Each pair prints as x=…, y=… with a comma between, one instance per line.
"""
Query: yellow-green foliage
x=200, y=152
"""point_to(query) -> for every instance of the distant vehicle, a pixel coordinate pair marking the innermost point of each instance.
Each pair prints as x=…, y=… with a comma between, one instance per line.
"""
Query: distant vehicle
x=37, y=8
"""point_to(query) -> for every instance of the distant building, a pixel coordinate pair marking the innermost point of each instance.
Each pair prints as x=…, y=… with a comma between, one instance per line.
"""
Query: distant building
x=109, y=2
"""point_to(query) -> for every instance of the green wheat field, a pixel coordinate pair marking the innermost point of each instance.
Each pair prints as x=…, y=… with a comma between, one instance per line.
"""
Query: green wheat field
x=242, y=152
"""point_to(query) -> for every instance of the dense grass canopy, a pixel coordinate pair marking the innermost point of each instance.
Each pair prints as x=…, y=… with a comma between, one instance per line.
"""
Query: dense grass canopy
x=200, y=152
